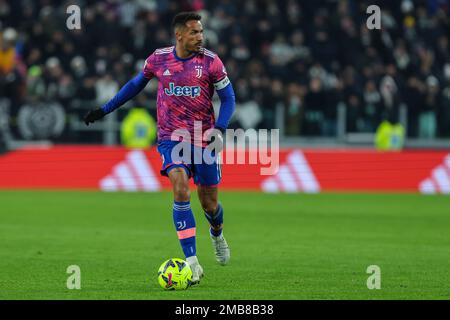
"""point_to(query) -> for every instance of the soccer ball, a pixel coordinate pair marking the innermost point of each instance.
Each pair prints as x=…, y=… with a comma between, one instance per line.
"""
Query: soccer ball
x=174, y=274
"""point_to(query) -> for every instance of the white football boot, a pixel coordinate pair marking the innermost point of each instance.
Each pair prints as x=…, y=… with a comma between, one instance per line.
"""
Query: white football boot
x=221, y=249
x=197, y=270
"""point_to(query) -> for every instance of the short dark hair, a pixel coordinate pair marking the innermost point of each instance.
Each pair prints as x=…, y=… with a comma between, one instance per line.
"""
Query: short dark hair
x=181, y=18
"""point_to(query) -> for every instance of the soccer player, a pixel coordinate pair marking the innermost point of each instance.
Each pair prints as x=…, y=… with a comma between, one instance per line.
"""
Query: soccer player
x=187, y=75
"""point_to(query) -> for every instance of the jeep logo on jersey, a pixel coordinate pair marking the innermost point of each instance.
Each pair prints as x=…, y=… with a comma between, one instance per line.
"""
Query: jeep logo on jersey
x=173, y=90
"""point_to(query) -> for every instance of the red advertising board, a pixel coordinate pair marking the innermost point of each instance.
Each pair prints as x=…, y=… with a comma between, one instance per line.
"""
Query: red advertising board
x=299, y=170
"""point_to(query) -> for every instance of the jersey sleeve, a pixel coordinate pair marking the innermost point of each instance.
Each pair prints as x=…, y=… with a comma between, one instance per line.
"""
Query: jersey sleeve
x=218, y=74
x=149, y=67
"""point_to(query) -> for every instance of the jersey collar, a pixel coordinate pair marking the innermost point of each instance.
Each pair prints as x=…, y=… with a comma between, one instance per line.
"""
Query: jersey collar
x=182, y=59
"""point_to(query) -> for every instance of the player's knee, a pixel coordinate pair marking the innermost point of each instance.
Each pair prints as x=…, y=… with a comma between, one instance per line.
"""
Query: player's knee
x=181, y=192
x=180, y=183
x=209, y=206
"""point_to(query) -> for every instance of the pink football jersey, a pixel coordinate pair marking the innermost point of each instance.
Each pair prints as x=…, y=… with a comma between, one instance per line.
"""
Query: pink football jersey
x=185, y=89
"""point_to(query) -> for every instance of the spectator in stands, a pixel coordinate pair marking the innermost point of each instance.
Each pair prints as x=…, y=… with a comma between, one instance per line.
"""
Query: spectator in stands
x=12, y=70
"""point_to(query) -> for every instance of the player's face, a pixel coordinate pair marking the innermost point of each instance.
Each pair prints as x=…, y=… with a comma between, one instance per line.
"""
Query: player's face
x=191, y=37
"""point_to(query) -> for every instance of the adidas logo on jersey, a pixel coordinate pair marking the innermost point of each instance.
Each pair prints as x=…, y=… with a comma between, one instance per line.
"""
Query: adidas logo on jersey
x=167, y=73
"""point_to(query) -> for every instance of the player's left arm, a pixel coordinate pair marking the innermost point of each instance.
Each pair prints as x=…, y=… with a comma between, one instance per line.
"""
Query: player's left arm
x=227, y=105
x=225, y=92
x=224, y=89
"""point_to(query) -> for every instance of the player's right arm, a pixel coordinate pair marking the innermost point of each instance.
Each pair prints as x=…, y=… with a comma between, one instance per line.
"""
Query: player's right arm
x=127, y=92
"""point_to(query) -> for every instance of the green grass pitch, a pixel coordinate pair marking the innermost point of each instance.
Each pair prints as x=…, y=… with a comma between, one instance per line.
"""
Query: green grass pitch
x=284, y=246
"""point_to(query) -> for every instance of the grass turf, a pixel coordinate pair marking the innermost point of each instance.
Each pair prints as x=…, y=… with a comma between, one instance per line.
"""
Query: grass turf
x=284, y=246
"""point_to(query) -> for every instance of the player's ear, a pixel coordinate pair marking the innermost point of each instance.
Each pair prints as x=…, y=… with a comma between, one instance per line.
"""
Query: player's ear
x=178, y=33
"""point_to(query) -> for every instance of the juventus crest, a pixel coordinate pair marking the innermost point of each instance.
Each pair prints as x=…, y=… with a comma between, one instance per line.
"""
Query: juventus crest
x=199, y=71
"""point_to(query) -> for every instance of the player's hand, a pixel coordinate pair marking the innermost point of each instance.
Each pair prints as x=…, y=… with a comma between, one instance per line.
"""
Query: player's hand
x=215, y=139
x=93, y=115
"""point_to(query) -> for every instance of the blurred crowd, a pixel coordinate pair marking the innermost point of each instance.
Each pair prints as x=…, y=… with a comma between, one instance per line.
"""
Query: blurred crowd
x=306, y=58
